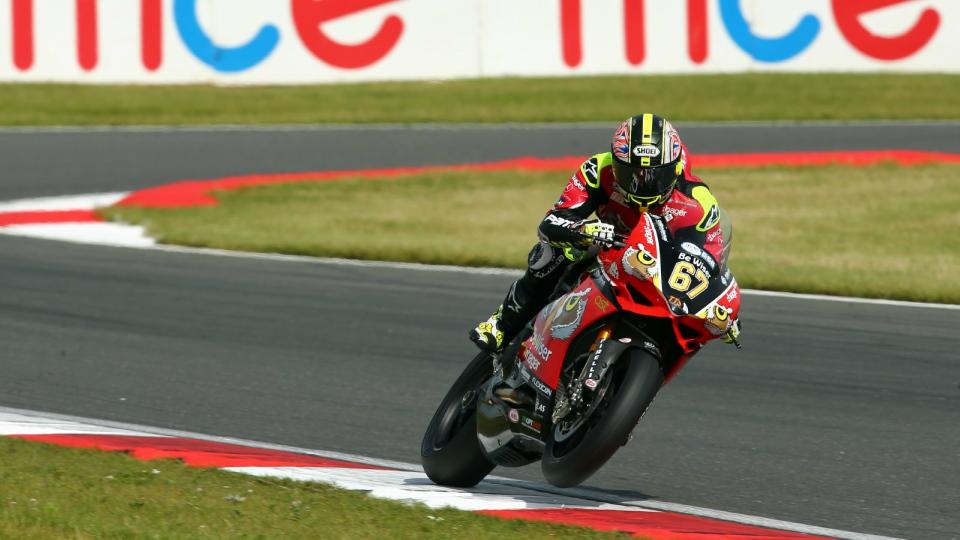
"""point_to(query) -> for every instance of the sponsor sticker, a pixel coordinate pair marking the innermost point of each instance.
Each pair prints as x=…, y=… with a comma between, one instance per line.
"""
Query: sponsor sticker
x=557, y=220
x=590, y=383
x=574, y=185
x=591, y=172
x=601, y=303
x=540, y=407
x=662, y=230
x=711, y=219
x=646, y=150
x=676, y=304
x=531, y=423
x=624, y=340
x=648, y=235
x=542, y=388
x=513, y=415
x=540, y=347
x=669, y=213
x=732, y=295
x=708, y=258
x=531, y=360
x=537, y=383
x=692, y=249
x=614, y=271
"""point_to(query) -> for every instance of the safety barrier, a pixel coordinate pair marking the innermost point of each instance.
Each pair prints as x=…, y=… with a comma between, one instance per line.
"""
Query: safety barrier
x=316, y=41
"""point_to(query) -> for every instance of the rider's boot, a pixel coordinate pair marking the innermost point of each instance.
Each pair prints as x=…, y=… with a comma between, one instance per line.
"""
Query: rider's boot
x=488, y=335
x=497, y=331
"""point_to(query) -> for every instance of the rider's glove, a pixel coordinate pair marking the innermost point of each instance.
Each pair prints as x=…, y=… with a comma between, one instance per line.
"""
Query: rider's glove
x=733, y=332
x=598, y=233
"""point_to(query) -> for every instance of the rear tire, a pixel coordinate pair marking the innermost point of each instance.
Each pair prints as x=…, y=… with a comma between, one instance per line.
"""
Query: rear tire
x=571, y=462
x=450, y=452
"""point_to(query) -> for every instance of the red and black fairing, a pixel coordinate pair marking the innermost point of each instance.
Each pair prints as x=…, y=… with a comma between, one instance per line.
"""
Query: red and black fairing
x=680, y=309
x=683, y=284
x=558, y=324
x=648, y=294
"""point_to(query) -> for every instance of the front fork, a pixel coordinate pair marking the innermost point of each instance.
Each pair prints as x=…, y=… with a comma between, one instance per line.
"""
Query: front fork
x=590, y=376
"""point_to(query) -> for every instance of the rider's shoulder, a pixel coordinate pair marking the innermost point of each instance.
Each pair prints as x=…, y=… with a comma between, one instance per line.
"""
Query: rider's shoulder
x=593, y=168
x=693, y=192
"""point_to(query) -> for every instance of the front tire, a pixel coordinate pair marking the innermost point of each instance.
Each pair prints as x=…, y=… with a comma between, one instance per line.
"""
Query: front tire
x=569, y=462
x=450, y=452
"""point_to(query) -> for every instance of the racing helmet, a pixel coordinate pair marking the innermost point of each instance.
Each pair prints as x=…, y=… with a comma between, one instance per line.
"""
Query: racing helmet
x=647, y=160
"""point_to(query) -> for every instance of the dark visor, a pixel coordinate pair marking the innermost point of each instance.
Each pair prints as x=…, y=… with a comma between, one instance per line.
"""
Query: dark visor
x=645, y=182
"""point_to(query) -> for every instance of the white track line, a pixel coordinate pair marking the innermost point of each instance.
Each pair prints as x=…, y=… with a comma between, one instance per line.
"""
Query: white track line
x=69, y=202
x=122, y=235
x=509, y=272
x=135, y=239
x=37, y=420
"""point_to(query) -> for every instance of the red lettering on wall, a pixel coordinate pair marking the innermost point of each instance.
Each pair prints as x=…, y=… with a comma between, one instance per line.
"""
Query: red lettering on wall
x=570, y=37
x=151, y=20
x=309, y=16
x=697, y=30
x=22, y=34
x=151, y=36
x=883, y=48
x=87, y=33
x=633, y=33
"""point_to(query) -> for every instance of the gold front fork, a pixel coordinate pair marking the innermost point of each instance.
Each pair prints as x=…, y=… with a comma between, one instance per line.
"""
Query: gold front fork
x=603, y=334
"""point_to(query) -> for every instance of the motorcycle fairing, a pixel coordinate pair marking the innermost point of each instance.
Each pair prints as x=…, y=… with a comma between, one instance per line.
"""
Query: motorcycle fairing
x=511, y=434
x=555, y=328
x=650, y=256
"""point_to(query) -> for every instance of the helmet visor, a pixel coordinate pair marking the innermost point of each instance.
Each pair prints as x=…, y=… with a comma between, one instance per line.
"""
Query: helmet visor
x=646, y=186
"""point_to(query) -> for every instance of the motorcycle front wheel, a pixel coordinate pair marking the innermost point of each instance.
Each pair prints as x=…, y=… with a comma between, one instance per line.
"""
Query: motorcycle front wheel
x=577, y=448
x=450, y=452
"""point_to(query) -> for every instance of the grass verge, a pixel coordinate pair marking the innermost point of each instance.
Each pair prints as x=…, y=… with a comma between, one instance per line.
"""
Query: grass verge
x=52, y=492
x=881, y=231
x=699, y=97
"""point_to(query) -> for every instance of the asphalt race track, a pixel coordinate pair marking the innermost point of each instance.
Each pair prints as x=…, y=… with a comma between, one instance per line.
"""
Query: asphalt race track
x=842, y=415
x=49, y=161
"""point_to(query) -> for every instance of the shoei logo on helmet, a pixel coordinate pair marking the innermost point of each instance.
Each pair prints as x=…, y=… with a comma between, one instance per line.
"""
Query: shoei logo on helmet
x=647, y=150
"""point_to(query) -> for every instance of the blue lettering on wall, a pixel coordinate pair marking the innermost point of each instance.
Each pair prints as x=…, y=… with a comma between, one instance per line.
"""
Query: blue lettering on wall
x=763, y=49
x=223, y=59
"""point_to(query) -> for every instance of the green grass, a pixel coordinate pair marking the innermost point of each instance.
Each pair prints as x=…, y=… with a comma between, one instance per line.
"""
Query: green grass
x=50, y=492
x=699, y=97
x=881, y=231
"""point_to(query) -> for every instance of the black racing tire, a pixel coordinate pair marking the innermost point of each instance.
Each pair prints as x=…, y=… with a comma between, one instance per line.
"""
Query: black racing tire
x=630, y=393
x=450, y=452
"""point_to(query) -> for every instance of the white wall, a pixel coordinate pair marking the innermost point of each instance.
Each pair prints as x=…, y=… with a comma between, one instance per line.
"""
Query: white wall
x=443, y=39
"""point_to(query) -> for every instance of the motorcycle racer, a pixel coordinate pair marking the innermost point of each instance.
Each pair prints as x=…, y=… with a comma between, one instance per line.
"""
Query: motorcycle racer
x=648, y=169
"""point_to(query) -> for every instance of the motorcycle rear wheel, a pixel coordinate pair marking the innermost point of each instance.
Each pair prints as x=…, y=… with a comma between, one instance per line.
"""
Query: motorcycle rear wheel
x=450, y=452
x=571, y=461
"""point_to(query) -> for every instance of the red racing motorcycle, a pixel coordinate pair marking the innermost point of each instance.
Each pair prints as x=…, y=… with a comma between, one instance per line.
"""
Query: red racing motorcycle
x=571, y=387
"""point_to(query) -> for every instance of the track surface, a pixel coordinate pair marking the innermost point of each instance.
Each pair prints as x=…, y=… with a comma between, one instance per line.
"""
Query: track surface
x=840, y=415
x=50, y=162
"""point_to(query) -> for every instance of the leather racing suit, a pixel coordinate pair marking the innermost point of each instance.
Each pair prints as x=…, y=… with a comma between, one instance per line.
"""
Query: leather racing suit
x=691, y=215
